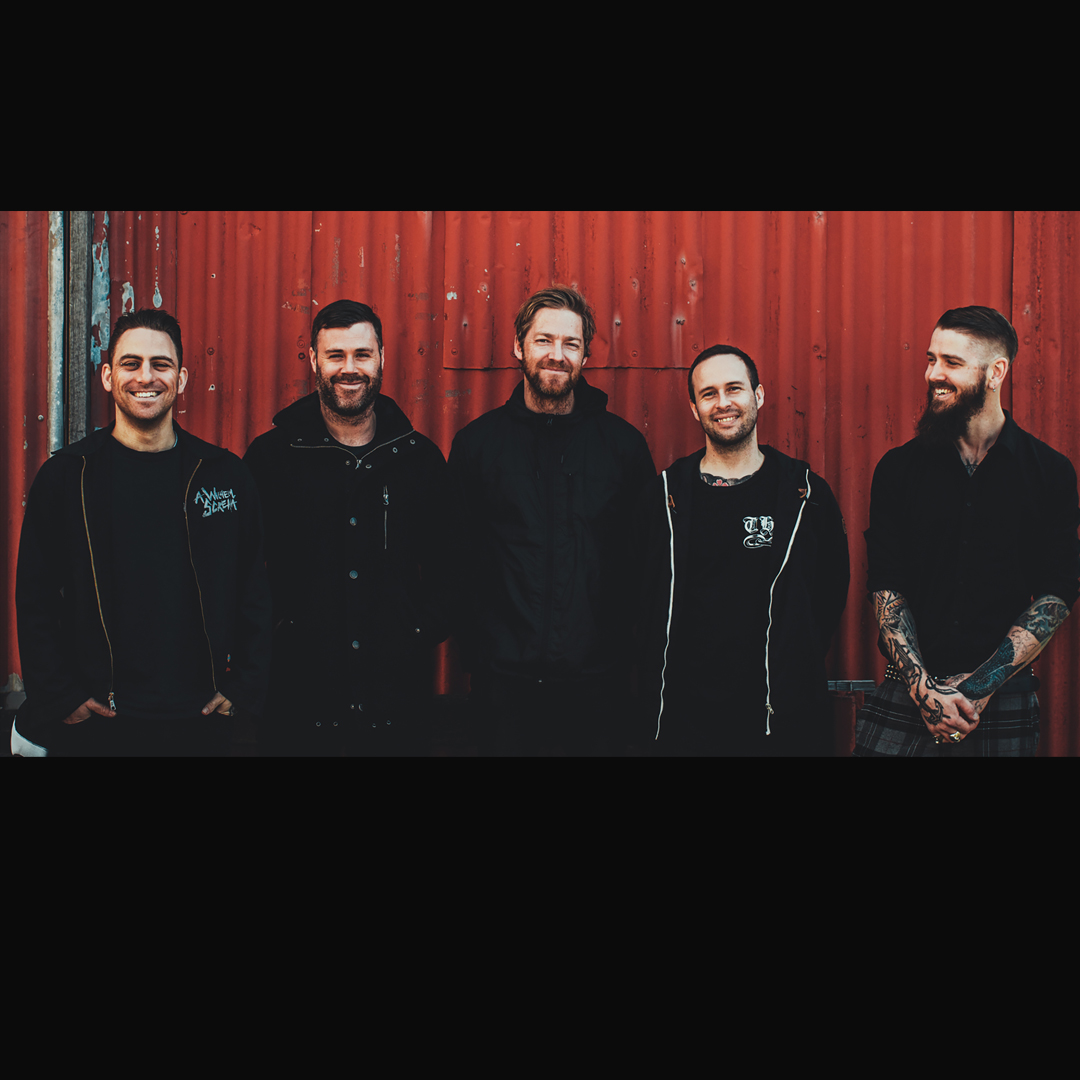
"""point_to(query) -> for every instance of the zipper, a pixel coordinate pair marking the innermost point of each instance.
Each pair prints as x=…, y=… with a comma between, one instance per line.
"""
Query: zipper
x=385, y=516
x=198, y=587
x=97, y=591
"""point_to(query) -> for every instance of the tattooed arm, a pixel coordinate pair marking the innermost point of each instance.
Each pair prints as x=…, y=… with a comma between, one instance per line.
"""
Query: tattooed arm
x=1026, y=639
x=943, y=708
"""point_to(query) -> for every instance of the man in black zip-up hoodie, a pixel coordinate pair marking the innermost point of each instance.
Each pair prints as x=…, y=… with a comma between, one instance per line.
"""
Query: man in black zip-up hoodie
x=143, y=606
x=359, y=547
x=548, y=482
x=744, y=576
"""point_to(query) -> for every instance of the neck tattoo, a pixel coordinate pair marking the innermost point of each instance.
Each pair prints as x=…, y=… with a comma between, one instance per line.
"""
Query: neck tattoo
x=722, y=481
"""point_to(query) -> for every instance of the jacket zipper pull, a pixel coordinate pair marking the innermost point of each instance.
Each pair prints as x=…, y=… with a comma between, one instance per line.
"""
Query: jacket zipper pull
x=385, y=496
x=112, y=701
x=385, y=519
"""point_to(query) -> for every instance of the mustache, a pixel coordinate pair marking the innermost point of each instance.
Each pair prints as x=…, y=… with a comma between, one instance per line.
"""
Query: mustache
x=349, y=380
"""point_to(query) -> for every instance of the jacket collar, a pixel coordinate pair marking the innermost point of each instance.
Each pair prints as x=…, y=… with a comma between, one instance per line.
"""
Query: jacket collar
x=101, y=438
x=303, y=420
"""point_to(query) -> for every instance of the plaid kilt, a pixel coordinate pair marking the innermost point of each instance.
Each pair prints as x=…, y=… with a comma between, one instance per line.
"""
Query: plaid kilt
x=889, y=725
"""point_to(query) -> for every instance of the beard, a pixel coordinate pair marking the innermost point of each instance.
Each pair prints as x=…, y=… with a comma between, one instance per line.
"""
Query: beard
x=533, y=378
x=356, y=405
x=727, y=439
x=938, y=426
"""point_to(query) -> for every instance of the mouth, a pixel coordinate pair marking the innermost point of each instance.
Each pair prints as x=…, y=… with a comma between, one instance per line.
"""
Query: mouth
x=941, y=393
x=146, y=395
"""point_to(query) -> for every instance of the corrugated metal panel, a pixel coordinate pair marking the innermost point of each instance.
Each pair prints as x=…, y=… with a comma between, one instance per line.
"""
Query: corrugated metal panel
x=836, y=306
x=1046, y=389
x=24, y=390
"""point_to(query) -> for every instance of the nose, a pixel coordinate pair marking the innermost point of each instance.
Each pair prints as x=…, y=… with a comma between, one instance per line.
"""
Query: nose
x=934, y=371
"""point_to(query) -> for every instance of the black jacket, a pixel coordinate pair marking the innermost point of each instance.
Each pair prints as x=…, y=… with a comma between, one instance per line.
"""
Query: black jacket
x=66, y=569
x=359, y=549
x=547, y=503
x=809, y=573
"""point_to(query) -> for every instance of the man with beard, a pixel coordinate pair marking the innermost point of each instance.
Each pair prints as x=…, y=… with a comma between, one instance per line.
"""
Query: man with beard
x=744, y=576
x=973, y=559
x=358, y=547
x=550, y=479
x=143, y=607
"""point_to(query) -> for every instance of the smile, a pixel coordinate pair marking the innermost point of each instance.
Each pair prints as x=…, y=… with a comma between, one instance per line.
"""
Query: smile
x=145, y=393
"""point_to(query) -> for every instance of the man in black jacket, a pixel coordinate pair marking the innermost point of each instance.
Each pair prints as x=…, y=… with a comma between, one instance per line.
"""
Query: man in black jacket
x=359, y=543
x=549, y=481
x=744, y=579
x=143, y=606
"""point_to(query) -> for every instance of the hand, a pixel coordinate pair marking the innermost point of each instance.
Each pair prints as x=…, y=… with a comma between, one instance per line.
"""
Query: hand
x=944, y=710
x=84, y=711
x=219, y=703
x=955, y=680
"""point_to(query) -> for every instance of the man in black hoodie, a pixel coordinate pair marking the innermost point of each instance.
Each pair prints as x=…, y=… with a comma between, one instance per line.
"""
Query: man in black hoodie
x=549, y=481
x=359, y=549
x=144, y=612
x=744, y=579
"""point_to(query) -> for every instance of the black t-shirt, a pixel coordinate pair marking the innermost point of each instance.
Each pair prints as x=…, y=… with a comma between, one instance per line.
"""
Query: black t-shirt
x=717, y=651
x=160, y=653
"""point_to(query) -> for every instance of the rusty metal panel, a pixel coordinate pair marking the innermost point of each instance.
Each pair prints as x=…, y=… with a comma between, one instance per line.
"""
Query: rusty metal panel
x=25, y=246
x=1045, y=392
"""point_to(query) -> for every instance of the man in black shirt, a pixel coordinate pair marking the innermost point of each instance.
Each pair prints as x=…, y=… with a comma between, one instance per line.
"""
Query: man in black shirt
x=549, y=481
x=973, y=559
x=745, y=573
x=142, y=601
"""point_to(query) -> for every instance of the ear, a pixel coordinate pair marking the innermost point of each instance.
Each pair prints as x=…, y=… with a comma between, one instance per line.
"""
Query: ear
x=517, y=349
x=998, y=370
x=106, y=377
x=759, y=393
x=181, y=381
x=314, y=362
x=693, y=409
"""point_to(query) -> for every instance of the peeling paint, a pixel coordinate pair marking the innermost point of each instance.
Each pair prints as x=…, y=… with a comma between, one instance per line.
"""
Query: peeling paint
x=451, y=296
x=157, y=296
x=100, y=323
x=127, y=299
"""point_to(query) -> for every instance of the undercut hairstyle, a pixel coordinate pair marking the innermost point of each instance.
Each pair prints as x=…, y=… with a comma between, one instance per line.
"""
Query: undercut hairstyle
x=342, y=314
x=558, y=297
x=147, y=319
x=723, y=350
x=985, y=325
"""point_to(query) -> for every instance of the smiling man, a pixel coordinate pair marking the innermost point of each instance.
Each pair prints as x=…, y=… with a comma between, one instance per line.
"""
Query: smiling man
x=143, y=606
x=744, y=576
x=549, y=480
x=360, y=548
x=973, y=559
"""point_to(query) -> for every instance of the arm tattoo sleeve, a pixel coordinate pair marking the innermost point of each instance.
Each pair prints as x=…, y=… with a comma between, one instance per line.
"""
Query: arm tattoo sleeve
x=1026, y=639
x=901, y=639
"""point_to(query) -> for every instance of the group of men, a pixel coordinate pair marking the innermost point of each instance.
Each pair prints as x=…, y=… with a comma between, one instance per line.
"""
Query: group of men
x=599, y=607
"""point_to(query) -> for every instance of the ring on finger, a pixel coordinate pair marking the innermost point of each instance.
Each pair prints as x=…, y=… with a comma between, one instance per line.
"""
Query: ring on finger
x=956, y=736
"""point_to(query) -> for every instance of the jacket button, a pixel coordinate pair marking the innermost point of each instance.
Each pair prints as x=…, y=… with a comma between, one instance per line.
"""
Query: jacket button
x=417, y=630
x=352, y=521
x=367, y=466
x=353, y=574
x=395, y=449
x=356, y=644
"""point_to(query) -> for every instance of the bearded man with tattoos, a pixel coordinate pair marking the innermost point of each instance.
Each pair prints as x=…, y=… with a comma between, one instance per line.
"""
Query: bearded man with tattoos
x=973, y=559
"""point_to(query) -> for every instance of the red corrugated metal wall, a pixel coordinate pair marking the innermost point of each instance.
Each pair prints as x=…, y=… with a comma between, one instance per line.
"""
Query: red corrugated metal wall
x=836, y=306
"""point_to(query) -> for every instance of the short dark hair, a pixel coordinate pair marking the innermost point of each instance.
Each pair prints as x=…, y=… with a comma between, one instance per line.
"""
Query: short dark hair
x=147, y=319
x=558, y=296
x=723, y=350
x=342, y=314
x=985, y=325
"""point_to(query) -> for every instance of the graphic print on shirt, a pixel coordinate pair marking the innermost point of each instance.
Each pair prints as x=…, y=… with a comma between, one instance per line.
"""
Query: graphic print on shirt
x=215, y=501
x=760, y=530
